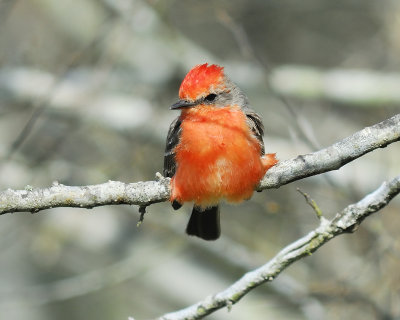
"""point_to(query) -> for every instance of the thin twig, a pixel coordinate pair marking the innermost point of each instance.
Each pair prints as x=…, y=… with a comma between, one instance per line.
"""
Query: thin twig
x=142, y=211
x=312, y=203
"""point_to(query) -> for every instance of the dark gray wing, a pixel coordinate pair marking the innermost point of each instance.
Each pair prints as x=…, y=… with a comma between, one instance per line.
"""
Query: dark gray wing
x=255, y=123
x=172, y=140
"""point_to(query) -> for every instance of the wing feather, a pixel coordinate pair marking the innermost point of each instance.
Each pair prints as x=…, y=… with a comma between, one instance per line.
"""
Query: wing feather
x=174, y=133
x=255, y=123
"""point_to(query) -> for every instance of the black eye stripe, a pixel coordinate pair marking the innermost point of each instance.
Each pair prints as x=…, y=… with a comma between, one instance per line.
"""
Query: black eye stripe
x=210, y=97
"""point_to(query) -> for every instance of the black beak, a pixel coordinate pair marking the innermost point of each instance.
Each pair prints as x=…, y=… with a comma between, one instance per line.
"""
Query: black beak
x=182, y=104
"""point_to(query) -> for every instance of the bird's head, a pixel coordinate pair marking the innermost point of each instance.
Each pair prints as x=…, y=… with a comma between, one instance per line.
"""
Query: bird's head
x=208, y=85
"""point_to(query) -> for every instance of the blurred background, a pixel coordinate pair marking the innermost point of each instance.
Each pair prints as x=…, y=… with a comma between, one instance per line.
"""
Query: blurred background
x=85, y=90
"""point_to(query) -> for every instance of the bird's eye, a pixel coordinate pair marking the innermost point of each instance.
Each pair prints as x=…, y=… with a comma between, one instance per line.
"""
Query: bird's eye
x=211, y=97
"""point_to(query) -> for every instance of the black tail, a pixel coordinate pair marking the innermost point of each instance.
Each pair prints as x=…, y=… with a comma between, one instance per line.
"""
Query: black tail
x=204, y=223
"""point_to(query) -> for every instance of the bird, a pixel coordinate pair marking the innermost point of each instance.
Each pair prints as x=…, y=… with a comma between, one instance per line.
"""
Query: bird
x=214, y=150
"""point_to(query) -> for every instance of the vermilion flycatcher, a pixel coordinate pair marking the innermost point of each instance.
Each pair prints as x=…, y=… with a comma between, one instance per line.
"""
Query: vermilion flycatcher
x=214, y=150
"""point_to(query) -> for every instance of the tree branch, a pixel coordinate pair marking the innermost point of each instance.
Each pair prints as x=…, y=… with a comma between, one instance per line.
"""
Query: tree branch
x=109, y=193
x=334, y=157
x=345, y=221
x=148, y=192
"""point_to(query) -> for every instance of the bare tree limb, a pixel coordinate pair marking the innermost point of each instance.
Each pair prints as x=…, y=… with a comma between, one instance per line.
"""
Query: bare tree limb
x=345, y=221
x=146, y=193
x=334, y=157
x=109, y=193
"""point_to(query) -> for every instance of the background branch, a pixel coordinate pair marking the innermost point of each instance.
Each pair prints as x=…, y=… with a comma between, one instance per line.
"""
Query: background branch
x=356, y=88
x=146, y=193
x=345, y=221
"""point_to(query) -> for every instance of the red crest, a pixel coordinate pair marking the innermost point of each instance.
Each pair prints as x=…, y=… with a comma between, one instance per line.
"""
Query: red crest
x=201, y=80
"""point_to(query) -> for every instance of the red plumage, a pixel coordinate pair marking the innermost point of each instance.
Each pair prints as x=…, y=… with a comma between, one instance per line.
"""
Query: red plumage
x=214, y=148
x=200, y=80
